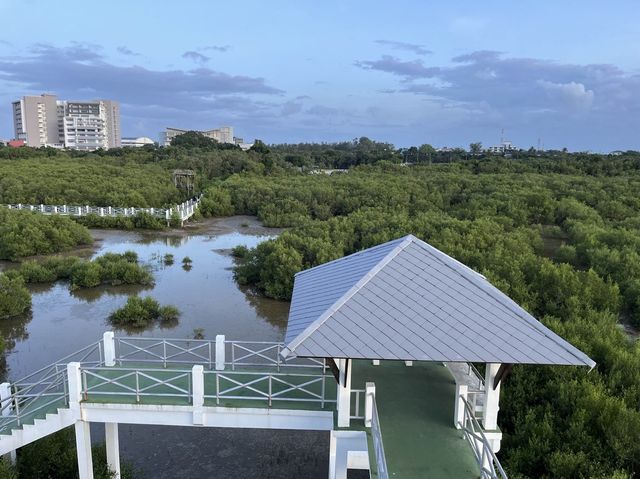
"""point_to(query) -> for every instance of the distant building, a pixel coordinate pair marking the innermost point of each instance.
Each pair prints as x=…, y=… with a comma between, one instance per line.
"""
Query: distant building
x=15, y=143
x=137, y=142
x=223, y=134
x=81, y=125
x=505, y=147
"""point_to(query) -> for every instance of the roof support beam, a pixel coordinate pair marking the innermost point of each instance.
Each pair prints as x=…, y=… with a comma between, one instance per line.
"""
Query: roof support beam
x=344, y=391
x=503, y=372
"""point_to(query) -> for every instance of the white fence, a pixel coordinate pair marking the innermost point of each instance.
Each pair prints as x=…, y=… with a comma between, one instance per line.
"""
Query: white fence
x=490, y=467
x=183, y=211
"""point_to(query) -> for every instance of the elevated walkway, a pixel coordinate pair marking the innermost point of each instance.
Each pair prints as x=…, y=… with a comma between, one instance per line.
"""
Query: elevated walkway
x=406, y=429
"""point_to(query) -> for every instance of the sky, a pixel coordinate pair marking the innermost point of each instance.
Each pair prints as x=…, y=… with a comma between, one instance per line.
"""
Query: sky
x=565, y=74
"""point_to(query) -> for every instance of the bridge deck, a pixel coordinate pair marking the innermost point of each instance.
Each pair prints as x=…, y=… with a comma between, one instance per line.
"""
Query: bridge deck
x=415, y=406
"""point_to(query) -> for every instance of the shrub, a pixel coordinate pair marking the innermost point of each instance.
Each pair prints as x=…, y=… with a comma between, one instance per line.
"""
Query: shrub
x=168, y=259
x=141, y=312
x=14, y=296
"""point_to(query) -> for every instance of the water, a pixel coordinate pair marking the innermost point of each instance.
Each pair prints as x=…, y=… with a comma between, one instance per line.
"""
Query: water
x=206, y=295
x=62, y=322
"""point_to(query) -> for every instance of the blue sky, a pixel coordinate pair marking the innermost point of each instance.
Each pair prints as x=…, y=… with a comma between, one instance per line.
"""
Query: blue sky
x=407, y=72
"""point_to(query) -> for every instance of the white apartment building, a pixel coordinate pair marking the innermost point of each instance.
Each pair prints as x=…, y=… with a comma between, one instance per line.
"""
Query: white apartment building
x=82, y=125
x=223, y=134
x=137, y=142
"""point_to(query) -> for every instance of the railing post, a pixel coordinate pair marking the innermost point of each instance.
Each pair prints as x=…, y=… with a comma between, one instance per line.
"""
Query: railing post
x=462, y=391
x=197, y=376
x=369, y=397
x=109, y=348
x=74, y=377
x=220, y=352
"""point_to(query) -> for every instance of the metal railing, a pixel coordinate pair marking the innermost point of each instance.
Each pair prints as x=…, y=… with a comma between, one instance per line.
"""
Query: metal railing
x=44, y=390
x=184, y=210
x=265, y=353
x=268, y=388
x=164, y=351
x=357, y=404
x=490, y=467
x=99, y=384
x=378, y=446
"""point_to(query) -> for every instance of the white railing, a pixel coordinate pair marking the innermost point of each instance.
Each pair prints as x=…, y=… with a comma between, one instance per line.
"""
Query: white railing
x=113, y=382
x=264, y=353
x=378, y=446
x=183, y=211
x=164, y=351
x=268, y=388
x=219, y=353
x=357, y=403
x=490, y=467
x=44, y=390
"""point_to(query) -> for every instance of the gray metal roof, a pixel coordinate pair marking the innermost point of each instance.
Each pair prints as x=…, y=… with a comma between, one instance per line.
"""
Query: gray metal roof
x=407, y=300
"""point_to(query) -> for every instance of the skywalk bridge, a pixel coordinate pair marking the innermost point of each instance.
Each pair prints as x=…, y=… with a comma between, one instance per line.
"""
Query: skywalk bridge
x=181, y=212
x=379, y=352
x=222, y=383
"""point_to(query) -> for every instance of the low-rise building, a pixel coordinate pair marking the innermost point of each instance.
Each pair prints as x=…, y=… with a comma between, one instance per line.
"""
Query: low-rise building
x=137, y=142
x=224, y=134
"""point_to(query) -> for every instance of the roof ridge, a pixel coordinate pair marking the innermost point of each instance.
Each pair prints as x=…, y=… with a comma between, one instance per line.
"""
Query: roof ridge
x=299, y=339
x=356, y=253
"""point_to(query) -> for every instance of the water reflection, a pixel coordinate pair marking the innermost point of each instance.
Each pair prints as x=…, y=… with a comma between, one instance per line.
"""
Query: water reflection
x=91, y=295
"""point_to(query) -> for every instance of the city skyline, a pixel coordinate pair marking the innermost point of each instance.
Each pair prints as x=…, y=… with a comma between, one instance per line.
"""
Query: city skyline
x=407, y=74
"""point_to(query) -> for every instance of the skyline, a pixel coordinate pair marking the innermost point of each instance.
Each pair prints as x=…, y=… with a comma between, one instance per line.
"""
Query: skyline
x=407, y=74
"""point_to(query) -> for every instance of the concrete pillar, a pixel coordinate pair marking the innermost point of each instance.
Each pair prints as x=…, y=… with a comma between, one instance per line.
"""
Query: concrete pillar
x=462, y=391
x=344, y=392
x=369, y=397
x=113, y=447
x=197, y=380
x=408, y=363
x=6, y=404
x=109, y=349
x=83, y=447
x=491, y=397
x=74, y=377
x=375, y=362
x=220, y=352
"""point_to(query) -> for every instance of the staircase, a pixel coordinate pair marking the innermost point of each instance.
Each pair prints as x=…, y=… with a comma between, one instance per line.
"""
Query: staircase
x=49, y=423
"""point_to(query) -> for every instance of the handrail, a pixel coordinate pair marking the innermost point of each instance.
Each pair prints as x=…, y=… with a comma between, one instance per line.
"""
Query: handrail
x=378, y=446
x=359, y=397
x=490, y=467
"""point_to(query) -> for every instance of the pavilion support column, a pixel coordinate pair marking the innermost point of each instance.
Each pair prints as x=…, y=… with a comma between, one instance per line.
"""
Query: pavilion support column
x=491, y=405
x=491, y=397
x=113, y=447
x=344, y=392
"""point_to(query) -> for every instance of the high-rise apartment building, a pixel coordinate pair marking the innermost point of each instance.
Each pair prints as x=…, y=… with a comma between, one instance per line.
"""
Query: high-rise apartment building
x=82, y=125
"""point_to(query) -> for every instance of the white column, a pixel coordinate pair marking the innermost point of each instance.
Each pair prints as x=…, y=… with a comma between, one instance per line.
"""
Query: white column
x=369, y=397
x=197, y=381
x=7, y=409
x=491, y=397
x=74, y=378
x=83, y=447
x=344, y=392
x=113, y=447
x=109, y=348
x=220, y=352
x=461, y=396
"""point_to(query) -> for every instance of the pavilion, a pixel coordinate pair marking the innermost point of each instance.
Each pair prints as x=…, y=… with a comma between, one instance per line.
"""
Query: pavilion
x=406, y=301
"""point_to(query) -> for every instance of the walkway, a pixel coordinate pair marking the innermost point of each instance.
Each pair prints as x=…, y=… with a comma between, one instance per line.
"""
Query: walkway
x=415, y=405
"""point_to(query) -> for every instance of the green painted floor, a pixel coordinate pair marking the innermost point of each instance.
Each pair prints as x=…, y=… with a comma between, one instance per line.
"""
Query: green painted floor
x=415, y=406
